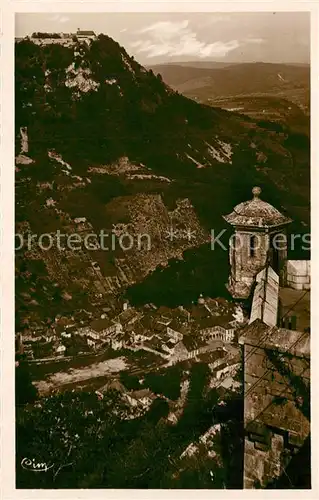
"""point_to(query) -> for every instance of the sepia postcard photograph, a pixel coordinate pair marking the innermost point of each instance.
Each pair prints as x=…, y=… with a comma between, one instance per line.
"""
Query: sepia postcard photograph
x=162, y=250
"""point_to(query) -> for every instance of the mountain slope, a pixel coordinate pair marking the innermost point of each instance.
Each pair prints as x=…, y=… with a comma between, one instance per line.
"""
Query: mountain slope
x=104, y=144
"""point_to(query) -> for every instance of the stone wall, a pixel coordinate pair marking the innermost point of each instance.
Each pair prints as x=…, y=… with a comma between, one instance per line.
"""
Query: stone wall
x=298, y=274
x=265, y=300
x=50, y=41
x=276, y=400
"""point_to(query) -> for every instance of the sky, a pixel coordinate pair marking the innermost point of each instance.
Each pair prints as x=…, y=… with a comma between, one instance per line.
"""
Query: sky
x=156, y=38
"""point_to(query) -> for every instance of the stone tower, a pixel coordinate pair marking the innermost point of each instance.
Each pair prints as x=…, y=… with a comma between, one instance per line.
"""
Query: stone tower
x=259, y=239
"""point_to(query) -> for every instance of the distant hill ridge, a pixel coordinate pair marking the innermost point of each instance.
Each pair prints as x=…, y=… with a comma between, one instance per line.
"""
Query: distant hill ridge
x=233, y=78
x=220, y=64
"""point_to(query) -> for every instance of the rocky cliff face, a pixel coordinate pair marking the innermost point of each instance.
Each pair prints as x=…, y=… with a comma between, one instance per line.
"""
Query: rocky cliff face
x=104, y=144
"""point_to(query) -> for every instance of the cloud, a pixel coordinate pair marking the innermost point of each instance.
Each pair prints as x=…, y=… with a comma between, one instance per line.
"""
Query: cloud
x=59, y=18
x=254, y=40
x=216, y=18
x=175, y=39
x=165, y=29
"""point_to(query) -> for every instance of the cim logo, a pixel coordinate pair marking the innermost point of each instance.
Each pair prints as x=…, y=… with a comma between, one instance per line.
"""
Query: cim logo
x=32, y=465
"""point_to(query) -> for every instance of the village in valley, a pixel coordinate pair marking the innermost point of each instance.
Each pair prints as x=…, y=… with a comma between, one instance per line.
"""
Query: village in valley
x=207, y=330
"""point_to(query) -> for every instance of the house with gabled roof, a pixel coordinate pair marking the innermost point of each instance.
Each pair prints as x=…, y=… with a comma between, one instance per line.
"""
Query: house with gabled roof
x=85, y=34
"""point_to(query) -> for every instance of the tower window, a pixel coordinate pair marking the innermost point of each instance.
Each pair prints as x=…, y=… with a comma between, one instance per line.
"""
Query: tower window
x=252, y=246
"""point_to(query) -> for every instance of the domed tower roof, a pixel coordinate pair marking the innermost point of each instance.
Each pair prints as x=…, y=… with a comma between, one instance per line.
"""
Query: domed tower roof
x=256, y=213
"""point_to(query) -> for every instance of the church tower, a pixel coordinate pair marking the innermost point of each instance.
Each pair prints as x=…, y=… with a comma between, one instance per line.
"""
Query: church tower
x=259, y=239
